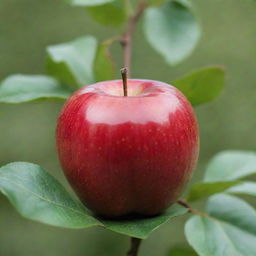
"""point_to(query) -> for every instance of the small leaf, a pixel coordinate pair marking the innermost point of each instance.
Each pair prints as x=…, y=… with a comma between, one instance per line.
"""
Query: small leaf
x=103, y=13
x=172, y=30
x=104, y=65
x=244, y=188
x=25, y=88
x=230, y=231
x=181, y=251
x=90, y=2
x=38, y=196
x=201, y=190
x=72, y=62
x=231, y=165
x=203, y=85
x=141, y=228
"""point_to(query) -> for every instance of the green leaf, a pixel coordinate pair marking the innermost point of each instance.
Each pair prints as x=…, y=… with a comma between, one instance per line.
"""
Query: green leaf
x=181, y=251
x=90, y=2
x=25, y=88
x=172, y=30
x=231, y=165
x=224, y=172
x=38, y=196
x=141, y=228
x=104, y=65
x=202, y=85
x=72, y=62
x=231, y=229
x=233, y=211
x=201, y=190
x=103, y=13
x=244, y=188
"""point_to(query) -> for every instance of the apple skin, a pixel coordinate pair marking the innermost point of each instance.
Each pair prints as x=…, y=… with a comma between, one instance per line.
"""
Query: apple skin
x=126, y=155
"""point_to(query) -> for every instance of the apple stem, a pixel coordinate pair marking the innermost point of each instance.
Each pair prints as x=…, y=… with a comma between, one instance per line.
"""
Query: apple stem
x=124, y=73
x=135, y=245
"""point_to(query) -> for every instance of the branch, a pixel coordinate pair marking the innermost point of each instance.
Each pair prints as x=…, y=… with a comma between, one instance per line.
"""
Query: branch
x=135, y=245
x=127, y=37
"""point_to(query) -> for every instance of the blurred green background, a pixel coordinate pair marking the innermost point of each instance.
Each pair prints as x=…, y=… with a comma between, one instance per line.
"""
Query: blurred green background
x=27, y=130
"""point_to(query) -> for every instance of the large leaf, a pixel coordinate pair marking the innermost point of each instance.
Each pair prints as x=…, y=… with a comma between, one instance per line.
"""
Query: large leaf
x=104, y=65
x=231, y=165
x=141, y=228
x=172, y=30
x=38, y=196
x=223, y=172
x=24, y=88
x=90, y=2
x=201, y=190
x=72, y=62
x=233, y=211
x=103, y=13
x=230, y=229
x=244, y=188
x=203, y=85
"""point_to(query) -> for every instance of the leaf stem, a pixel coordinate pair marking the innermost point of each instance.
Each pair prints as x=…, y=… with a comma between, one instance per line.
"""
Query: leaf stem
x=135, y=245
x=191, y=209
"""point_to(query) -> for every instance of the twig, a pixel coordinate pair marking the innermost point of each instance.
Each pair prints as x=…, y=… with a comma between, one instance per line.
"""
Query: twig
x=127, y=37
x=135, y=245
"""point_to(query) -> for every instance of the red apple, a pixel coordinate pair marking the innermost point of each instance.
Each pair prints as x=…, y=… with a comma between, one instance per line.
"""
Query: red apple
x=129, y=154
